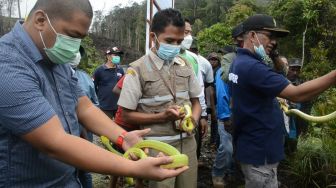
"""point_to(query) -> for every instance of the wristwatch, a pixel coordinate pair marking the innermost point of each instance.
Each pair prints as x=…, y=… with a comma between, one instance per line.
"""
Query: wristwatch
x=120, y=139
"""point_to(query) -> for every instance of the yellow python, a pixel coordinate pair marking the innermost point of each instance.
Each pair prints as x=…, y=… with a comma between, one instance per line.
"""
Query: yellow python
x=179, y=160
x=187, y=124
x=315, y=119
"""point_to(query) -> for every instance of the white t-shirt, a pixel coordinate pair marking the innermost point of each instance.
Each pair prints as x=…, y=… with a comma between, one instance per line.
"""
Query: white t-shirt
x=205, y=74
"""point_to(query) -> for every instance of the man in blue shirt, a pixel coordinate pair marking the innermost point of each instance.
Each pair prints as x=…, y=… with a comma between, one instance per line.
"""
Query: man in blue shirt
x=223, y=165
x=105, y=78
x=41, y=104
x=257, y=118
x=223, y=168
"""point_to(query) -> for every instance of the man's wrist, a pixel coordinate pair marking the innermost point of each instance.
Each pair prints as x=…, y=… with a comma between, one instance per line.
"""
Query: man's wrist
x=120, y=139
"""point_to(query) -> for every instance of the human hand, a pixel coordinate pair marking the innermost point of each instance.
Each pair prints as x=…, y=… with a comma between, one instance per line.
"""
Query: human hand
x=203, y=127
x=173, y=113
x=213, y=116
x=133, y=137
x=149, y=168
x=228, y=126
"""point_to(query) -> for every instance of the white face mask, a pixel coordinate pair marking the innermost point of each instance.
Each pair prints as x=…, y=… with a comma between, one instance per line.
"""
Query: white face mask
x=186, y=43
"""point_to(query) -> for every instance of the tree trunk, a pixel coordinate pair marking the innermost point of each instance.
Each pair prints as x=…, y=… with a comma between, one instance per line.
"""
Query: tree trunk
x=195, y=8
x=303, y=43
x=19, y=8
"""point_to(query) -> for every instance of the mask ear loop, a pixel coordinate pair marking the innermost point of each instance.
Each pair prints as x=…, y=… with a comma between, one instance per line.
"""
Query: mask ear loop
x=42, y=40
x=157, y=40
x=50, y=24
x=257, y=39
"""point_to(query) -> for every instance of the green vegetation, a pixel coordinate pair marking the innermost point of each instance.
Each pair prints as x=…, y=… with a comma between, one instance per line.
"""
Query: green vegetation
x=92, y=58
x=214, y=37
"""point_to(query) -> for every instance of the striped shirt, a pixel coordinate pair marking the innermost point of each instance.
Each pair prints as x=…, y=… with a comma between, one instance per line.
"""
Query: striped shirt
x=32, y=92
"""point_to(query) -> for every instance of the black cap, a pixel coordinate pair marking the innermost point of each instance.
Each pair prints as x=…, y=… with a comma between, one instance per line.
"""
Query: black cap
x=213, y=55
x=295, y=62
x=238, y=30
x=263, y=22
x=114, y=50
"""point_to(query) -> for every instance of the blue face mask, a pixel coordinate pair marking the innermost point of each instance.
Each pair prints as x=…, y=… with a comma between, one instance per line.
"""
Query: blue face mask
x=116, y=59
x=260, y=50
x=167, y=51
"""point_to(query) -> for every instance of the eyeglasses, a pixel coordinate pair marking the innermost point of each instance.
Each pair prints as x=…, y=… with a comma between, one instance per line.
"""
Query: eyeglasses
x=269, y=35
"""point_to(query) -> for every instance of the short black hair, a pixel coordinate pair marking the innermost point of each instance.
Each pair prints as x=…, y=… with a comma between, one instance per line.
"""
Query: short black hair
x=63, y=8
x=166, y=17
x=187, y=20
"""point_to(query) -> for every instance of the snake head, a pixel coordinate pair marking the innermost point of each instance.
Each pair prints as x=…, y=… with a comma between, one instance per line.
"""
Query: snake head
x=104, y=140
x=187, y=110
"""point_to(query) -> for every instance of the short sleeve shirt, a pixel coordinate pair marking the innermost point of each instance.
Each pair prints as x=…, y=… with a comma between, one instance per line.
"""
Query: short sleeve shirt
x=33, y=91
x=132, y=92
x=118, y=117
x=105, y=79
x=206, y=69
x=257, y=117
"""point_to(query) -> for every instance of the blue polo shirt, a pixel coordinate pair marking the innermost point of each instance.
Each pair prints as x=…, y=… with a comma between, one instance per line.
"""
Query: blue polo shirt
x=32, y=92
x=257, y=117
x=104, y=80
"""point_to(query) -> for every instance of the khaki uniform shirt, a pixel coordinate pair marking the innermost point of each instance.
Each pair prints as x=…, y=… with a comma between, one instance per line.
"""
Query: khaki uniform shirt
x=142, y=83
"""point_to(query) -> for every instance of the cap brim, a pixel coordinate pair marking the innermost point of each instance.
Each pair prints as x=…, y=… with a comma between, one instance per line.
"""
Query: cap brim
x=116, y=53
x=278, y=32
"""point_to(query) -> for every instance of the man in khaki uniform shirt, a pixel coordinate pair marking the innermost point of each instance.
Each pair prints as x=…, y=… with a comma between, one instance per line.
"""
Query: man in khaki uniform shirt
x=154, y=88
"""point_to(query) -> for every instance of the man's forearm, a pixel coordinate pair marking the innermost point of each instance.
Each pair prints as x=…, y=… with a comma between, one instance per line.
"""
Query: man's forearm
x=313, y=88
x=196, y=109
x=89, y=157
x=212, y=100
x=94, y=120
x=51, y=139
x=136, y=118
x=310, y=89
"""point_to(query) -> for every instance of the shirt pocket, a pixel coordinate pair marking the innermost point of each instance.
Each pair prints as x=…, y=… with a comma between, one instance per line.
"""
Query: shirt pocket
x=182, y=79
x=153, y=84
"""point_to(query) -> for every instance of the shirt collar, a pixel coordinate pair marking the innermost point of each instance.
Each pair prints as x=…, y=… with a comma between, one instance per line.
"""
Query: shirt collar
x=156, y=60
x=26, y=42
x=245, y=51
x=106, y=67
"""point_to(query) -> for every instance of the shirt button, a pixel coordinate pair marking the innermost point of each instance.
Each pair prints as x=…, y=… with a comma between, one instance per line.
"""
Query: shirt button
x=66, y=113
x=59, y=89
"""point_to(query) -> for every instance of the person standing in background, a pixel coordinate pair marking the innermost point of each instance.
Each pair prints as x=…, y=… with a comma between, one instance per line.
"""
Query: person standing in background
x=105, y=78
x=193, y=60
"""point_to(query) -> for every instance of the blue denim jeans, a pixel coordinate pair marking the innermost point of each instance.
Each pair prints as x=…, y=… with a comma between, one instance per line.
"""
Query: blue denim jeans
x=223, y=164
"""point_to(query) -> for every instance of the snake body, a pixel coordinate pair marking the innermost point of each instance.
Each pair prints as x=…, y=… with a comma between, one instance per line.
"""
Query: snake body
x=315, y=119
x=179, y=160
x=187, y=124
